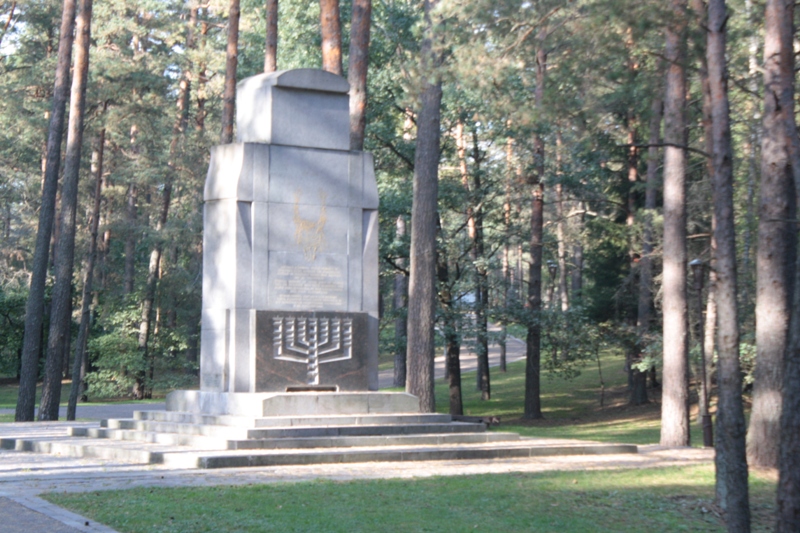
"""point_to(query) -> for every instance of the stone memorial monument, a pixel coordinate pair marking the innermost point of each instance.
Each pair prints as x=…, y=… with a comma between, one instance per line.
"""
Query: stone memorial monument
x=290, y=248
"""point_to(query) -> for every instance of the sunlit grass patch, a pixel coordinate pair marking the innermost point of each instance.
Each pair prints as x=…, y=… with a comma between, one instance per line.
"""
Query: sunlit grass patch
x=650, y=500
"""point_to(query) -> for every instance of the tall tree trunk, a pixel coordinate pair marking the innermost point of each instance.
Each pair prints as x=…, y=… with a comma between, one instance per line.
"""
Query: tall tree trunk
x=776, y=236
x=357, y=71
x=178, y=129
x=644, y=314
x=788, y=499
x=533, y=354
x=452, y=339
x=709, y=327
x=753, y=133
x=561, y=223
x=422, y=280
x=675, y=397
x=79, y=361
x=507, y=271
x=271, y=48
x=202, y=82
x=731, y=461
x=637, y=380
x=130, y=236
x=461, y=152
x=61, y=307
x=400, y=304
x=231, y=62
x=481, y=280
x=576, y=281
x=789, y=459
x=34, y=310
x=331, y=36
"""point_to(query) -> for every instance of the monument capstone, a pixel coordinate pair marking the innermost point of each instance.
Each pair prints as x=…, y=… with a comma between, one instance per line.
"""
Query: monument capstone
x=290, y=248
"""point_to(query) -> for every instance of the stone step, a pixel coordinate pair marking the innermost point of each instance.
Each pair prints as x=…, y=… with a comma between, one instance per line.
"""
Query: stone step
x=183, y=457
x=286, y=421
x=238, y=459
x=236, y=433
x=175, y=439
x=139, y=452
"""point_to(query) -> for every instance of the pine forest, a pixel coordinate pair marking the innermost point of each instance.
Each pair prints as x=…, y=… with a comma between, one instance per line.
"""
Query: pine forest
x=581, y=175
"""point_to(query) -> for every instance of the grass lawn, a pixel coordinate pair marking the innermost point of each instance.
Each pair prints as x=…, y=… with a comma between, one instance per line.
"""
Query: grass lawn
x=571, y=408
x=657, y=500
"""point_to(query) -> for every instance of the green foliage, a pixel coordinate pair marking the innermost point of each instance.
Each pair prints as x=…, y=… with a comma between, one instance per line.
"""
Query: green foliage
x=12, y=329
x=116, y=357
x=570, y=341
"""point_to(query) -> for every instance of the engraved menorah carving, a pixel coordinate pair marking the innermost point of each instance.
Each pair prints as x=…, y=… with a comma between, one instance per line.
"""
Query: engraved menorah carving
x=312, y=341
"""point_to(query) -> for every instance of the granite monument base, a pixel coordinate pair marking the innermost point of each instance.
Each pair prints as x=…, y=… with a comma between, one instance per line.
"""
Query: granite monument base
x=257, y=405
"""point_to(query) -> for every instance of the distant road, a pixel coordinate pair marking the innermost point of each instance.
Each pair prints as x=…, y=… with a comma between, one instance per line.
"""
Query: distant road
x=515, y=351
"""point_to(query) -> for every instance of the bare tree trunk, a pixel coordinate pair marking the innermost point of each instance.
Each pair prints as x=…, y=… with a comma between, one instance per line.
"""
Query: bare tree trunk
x=331, y=36
x=675, y=397
x=130, y=238
x=644, y=315
x=61, y=307
x=357, y=71
x=271, y=48
x=452, y=340
x=576, y=283
x=178, y=129
x=79, y=362
x=709, y=327
x=422, y=281
x=776, y=236
x=400, y=307
x=231, y=62
x=34, y=309
x=637, y=380
x=507, y=272
x=533, y=355
x=789, y=460
x=754, y=119
x=481, y=281
x=731, y=463
x=561, y=229
x=788, y=499
x=202, y=82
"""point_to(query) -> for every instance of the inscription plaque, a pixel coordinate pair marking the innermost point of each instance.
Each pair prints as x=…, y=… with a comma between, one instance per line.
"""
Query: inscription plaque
x=309, y=287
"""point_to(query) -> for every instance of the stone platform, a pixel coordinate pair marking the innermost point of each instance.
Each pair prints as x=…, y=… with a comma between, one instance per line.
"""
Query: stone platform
x=297, y=429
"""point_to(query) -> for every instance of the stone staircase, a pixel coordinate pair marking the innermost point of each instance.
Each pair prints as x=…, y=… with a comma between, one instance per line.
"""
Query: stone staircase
x=384, y=430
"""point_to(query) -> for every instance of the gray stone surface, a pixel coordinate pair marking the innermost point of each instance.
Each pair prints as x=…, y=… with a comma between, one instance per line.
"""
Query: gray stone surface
x=301, y=107
x=290, y=225
x=267, y=404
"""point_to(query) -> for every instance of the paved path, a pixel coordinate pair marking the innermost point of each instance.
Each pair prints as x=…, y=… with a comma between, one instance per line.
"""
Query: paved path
x=515, y=351
x=88, y=411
